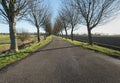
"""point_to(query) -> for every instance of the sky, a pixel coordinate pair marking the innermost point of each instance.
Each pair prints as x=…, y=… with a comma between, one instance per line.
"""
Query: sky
x=110, y=28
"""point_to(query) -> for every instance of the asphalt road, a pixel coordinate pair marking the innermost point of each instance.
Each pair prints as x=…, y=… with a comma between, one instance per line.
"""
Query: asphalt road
x=61, y=62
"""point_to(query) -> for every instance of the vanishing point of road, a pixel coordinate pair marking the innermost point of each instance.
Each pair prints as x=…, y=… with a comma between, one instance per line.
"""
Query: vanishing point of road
x=61, y=62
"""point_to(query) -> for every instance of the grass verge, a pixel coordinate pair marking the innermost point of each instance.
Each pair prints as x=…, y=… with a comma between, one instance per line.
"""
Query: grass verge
x=13, y=57
x=103, y=50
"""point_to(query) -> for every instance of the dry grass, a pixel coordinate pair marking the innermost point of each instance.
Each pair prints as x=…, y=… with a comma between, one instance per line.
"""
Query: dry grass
x=4, y=47
x=5, y=42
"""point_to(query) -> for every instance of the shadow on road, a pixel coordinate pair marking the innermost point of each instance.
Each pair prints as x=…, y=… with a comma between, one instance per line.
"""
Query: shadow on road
x=51, y=49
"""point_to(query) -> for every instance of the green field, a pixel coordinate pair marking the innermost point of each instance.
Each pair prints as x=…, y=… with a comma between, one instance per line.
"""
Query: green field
x=5, y=42
x=4, y=39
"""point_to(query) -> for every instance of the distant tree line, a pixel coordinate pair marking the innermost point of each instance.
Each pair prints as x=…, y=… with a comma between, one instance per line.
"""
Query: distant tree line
x=4, y=33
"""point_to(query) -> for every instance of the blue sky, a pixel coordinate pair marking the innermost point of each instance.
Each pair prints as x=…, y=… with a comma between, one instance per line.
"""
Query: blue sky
x=54, y=6
x=112, y=27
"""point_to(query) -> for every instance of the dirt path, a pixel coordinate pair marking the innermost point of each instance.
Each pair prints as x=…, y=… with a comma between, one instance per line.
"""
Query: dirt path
x=61, y=62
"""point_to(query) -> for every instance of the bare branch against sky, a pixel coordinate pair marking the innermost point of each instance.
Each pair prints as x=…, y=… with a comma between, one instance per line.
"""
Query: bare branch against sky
x=55, y=7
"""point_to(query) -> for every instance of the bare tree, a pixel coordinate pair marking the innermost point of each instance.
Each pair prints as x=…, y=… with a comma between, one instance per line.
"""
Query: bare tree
x=72, y=17
x=95, y=12
x=58, y=28
x=64, y=21
x=10, y=11
x=47, y=25
x=23, y=35
x=37, y=16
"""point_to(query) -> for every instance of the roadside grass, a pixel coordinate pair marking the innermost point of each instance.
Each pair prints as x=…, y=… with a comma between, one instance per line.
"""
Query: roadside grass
x=103, y=50
x=6, y=59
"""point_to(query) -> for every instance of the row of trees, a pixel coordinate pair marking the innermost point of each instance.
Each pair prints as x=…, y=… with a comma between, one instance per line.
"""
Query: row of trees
x=33, y=11
x=73, y=12
x=90, y=13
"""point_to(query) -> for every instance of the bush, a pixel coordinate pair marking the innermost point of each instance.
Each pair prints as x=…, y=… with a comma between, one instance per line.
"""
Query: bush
x=24, y=36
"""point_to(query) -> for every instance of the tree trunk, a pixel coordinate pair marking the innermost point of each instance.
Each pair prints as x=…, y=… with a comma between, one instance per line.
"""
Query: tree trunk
x=13, y=39
x=72, y=34
x=38, y=34
x=62, y=34
x=89, y=36
x=66, y=32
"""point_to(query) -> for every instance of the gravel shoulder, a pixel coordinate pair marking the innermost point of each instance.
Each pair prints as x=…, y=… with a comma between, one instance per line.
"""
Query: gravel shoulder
x=61, y=62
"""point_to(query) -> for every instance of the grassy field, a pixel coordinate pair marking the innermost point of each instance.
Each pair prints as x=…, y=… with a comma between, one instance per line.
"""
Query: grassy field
x=6, y=59
x=5, y=42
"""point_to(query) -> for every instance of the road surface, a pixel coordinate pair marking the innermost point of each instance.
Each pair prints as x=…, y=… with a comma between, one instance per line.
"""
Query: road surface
x=61, y=62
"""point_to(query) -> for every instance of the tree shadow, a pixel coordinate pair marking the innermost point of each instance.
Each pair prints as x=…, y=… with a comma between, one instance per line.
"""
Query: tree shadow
x=52, y=49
